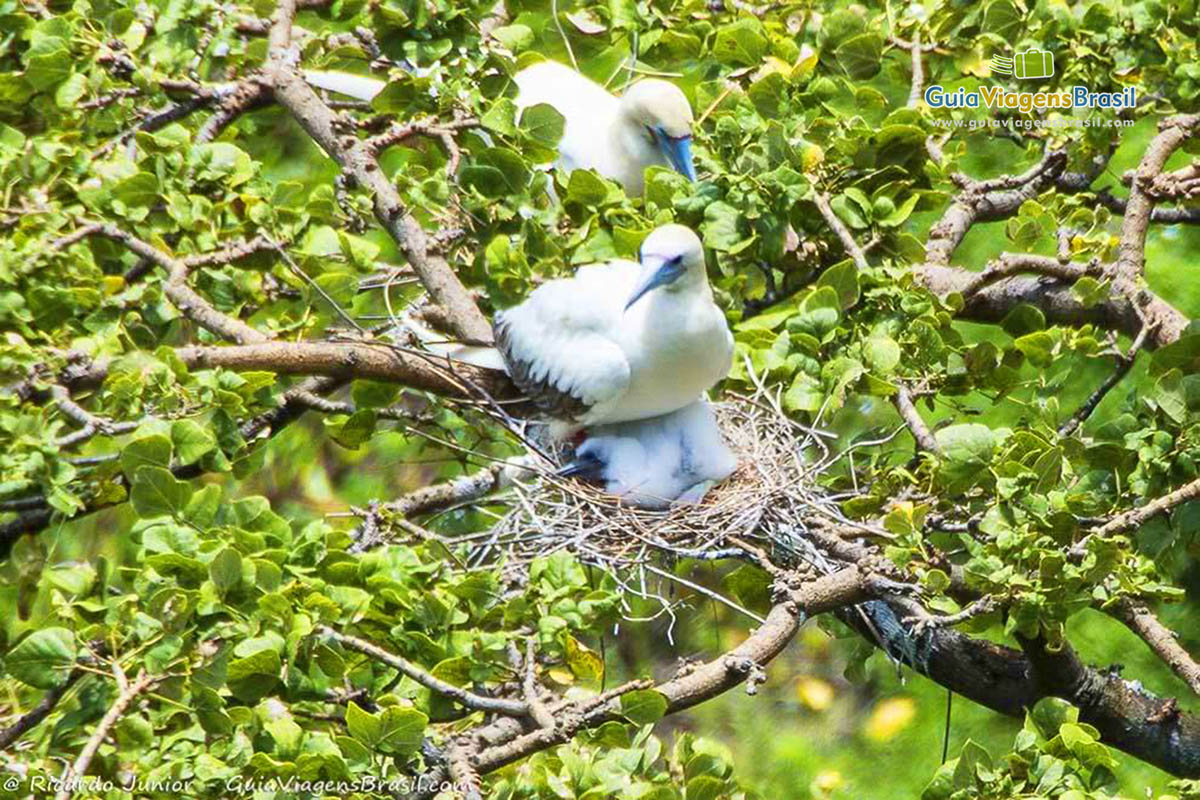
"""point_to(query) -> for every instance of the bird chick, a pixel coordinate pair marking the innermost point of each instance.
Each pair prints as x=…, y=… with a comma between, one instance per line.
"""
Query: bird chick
x=654, y=463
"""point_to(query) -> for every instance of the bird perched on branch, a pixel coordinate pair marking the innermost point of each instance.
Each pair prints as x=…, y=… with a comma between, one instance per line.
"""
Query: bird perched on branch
x=622, y=340
x=650, y=124
x=652, y=463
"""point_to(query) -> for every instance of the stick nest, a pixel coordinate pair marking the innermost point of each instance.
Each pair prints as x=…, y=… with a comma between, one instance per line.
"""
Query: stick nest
x=766, y=500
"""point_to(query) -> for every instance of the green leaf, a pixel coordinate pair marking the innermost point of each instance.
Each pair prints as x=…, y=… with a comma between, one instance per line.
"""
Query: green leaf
x=514, y=37
x=843, y=278
x=225, y=570
x=70, y=91
x=899, y=215
x=860, y=56
x=721, y=229
x=138, y=190
x=148, y=451
x=1022, y=320
x=543, y=123
x=742, y=43
x=352, y=431
x=587, y=188
x=393, y=730
x=254, y=677
x=44, y=658
x=190, y=440
x=1002, y=18
x=882, y=353
x=967, y=451
x=156, y=492
x=644, y=707
x=1050, y=714
x=501, y=117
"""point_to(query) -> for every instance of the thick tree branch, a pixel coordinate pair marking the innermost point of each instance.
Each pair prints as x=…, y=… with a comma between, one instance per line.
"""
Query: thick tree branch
x=1009, y=264
x=1131, y=255
x=356, y=158
x=1058, y=302
x=1161, y=639
x=845, y=587
x=984, y=201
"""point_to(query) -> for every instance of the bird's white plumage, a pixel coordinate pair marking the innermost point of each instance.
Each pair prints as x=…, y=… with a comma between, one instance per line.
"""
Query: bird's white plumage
x=359, y=87
x=575, y=347
x=587, y=109
x=600, y=131
x=567, y=326
x=654, y=462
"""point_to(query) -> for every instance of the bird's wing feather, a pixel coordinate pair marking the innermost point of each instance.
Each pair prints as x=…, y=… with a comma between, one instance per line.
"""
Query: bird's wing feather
x=588, y=110
x=561, y=346
x=359, y=87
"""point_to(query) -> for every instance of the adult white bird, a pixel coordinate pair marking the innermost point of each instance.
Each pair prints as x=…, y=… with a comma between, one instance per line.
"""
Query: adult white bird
x=650, y=124
x=621, y=340
x=652, y=463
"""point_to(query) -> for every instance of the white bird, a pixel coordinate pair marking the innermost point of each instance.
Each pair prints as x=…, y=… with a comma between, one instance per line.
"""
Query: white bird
x=621, y=340
x=655, y=462
x=650, y=124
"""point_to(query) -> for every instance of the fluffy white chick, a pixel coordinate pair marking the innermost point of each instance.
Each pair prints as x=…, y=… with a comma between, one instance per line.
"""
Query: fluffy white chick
x=656, y=462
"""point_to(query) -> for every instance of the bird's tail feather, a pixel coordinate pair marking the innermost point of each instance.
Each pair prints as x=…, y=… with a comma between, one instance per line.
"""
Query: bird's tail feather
x=476, y=355
x=360, y=87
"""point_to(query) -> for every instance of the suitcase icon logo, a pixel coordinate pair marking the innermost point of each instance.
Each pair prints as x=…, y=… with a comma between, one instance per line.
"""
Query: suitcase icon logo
x=1029, y=65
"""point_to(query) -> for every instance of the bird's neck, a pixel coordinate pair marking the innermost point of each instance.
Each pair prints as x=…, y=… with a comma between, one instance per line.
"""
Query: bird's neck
x=688, y=290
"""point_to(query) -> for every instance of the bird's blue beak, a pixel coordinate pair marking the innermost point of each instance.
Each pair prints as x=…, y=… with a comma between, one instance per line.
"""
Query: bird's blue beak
x=668, y=272
x=678, y=152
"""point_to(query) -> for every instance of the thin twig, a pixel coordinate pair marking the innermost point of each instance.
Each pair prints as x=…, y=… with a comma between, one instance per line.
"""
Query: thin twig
x=128, y=694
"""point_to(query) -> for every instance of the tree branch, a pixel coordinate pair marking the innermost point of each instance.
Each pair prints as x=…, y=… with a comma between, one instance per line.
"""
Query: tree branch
x=1131, y=253
x=838, y=227
x=475, y=702
x=189, y=303
x=356, y=158
x=1161, y=639
x=77, y=769
x=916, y=425
x=39, y=712
x=1125, y=363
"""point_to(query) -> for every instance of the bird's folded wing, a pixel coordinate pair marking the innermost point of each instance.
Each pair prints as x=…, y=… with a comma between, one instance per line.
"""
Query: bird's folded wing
x=579, y=99
x=560, y=348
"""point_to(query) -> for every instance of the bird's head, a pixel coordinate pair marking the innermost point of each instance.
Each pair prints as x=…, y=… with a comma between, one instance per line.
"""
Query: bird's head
x=662, y=110
x=672, y=257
